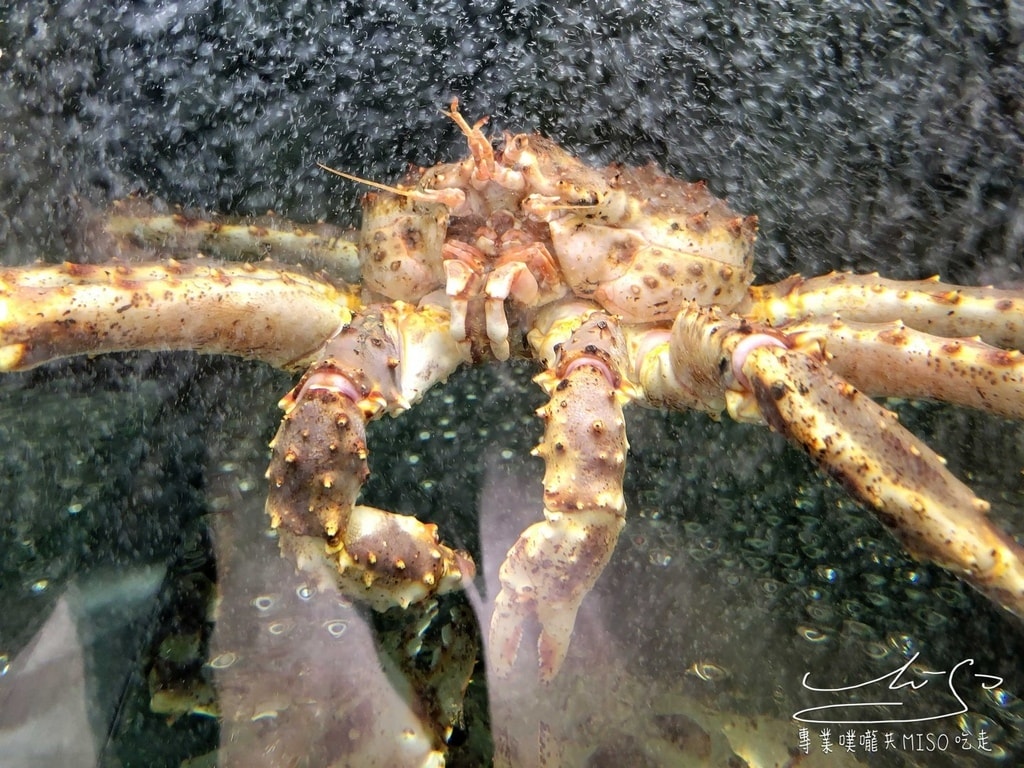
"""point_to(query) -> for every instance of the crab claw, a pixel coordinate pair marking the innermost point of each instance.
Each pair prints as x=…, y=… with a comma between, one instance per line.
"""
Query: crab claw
x=555, y=562
x=545, y=577
x=379, y=364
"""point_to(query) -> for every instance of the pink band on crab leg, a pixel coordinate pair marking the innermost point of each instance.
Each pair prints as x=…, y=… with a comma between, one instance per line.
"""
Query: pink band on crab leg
x=332, y=381
x=748, y=345
x=601, y=365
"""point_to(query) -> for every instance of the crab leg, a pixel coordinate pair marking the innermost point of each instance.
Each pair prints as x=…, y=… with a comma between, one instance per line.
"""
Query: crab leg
x=859, y=442
x=382, y=363
x=936, y=516
x=137, y=222
x=555, y=562
x=239, y=309
x=892, y=360
x=997, y=316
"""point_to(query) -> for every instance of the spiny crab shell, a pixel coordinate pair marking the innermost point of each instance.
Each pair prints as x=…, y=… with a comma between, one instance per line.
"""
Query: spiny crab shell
x=634, y=240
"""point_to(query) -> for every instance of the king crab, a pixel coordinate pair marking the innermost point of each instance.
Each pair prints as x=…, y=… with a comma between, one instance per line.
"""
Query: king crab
x=627, y=286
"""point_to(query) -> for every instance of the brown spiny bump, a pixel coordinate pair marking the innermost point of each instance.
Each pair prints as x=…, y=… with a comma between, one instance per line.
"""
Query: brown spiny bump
x=1002, y=358
x=740, y=225
x=897, y=337
x=699, y=222
x=317, y=465
x=394, y=555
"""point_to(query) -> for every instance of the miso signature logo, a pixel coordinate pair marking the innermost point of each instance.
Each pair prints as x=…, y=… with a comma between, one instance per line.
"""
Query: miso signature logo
x=958, y=675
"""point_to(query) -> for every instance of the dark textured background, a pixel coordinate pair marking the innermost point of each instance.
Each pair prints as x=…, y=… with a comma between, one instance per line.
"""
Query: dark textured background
x=865, y=135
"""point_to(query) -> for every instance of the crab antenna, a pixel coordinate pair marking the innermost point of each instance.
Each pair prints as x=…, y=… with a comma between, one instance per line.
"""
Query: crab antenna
x=367, y=182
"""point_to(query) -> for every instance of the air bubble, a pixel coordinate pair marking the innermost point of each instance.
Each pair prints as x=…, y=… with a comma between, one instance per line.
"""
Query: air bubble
x=1001, y=697
x=814, y=552
x=876, y=650
x=224, y=660
x=336, y=627
x=758, y=544
x=877, y=599
x=660, y=557
x=812, y=634
x=75, y=508
x=670, y=540
x=854, y=608
x=305, y=592
x=263, y=602
x=413, y=458
x=40, y=586
x=974, y=724
x=794, y=576
x=904, y=644
x=857, y=629
x=758, y=564
x=822, y=613
x=912, y=576
x=810, y=538
x=875, y=580
x=827, y=574
x=951, y=597
x=789, y=560
x=707, y=671
x=931, y=618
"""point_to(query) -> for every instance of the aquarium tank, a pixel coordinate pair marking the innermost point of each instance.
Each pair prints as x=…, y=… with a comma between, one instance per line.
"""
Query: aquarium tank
x=752, y=613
